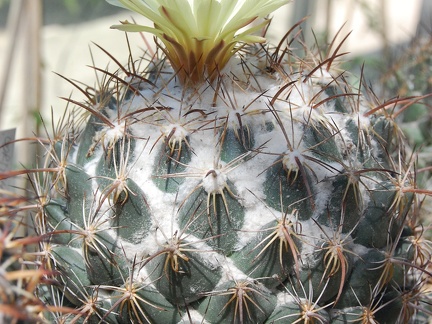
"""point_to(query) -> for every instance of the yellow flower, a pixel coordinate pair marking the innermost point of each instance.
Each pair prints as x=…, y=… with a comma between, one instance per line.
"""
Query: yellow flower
x=200, y=36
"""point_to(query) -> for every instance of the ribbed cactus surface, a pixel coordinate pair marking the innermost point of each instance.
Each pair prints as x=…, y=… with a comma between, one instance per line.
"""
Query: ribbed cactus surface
x=271, y=195
x=270, y=191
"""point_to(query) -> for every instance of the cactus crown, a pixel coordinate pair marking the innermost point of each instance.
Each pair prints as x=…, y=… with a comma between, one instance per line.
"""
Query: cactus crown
x=200, y=36
x=278, y=194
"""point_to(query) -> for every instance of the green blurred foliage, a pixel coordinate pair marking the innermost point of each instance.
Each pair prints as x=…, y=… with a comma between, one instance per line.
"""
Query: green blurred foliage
x=65, y=11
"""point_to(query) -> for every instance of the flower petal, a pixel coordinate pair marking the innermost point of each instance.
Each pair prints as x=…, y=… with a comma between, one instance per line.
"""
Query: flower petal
x=200, y=35
x=130, y=27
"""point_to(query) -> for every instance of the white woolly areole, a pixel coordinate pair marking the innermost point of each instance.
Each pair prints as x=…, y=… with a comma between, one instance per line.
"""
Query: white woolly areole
x=113, y=134
x=174, y=132
x=322, y=76
x=215, y=181
x=290, y=159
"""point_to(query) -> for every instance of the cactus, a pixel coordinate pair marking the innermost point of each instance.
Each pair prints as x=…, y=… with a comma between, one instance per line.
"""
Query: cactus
x=20, y=276
x=229, y=182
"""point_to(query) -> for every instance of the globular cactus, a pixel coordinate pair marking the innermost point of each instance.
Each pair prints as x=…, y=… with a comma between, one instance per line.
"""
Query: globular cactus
x=231, y=182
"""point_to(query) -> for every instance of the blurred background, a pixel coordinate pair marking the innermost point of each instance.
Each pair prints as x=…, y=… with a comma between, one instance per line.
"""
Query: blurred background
x=40, y=37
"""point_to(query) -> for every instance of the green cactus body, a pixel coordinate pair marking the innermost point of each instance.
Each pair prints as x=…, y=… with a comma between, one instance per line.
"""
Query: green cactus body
x=265, y=194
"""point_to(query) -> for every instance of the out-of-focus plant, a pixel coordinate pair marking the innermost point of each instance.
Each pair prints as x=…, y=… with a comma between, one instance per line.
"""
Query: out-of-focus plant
x=411, y=73
x=64, y=11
